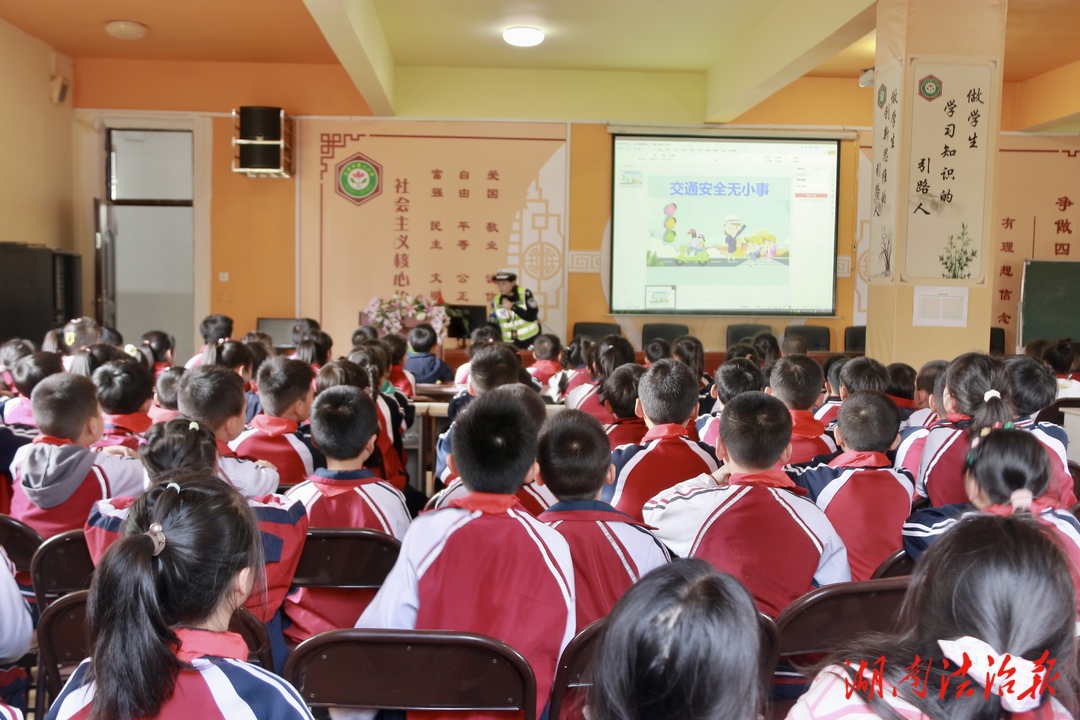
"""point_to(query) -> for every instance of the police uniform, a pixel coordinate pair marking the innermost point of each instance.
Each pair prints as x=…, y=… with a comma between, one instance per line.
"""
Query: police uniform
x=518, y=325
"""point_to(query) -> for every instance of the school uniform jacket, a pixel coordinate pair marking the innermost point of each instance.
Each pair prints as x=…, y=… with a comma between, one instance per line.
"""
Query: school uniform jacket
x=544, y=370
x=758, y=528
x=403, y=380
x=56, y=482
x=388, y=441
x=610, y=552
x=1056, y=442
x=341, y=499
x=865, y=499
x=250, y=479
x=279, y=441
x=626, y=431
x=11, y=439
x=220, y=686
x=484, y=565
x=909, y=452
x=827, y=413
x=808, y=438
x=16, y=628
x=586, y=399
x=17, y=412
x=124, y=430
x=708, y=428
x=535, y=498
x=665, y=457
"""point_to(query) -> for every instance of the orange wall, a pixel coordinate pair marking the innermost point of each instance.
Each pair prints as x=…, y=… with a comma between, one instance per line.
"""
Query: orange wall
x=252, y=221
x=814, y=101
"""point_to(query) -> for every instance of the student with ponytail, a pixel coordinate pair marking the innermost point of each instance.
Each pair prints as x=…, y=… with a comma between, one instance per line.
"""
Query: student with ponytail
x=159, y=612
x=611, y=352
x=156, y=350
x=977, y=395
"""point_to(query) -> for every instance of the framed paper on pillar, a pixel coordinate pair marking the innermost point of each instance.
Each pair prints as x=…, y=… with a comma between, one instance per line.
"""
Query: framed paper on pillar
x=888, y=101
x=953, y=129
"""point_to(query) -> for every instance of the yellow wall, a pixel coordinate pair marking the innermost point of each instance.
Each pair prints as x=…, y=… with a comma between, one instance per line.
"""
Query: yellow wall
x=37, y=185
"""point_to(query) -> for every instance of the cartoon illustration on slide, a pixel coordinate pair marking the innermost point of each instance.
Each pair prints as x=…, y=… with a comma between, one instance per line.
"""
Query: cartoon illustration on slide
x=733, y=227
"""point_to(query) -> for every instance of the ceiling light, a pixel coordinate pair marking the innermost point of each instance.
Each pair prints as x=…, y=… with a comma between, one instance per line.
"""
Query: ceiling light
x=125, y=29
x=523, y=36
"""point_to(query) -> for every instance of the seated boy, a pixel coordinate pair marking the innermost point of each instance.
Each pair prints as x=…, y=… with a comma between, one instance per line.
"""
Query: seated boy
x=426, y=367
x=546, y=350
x=28, y=372
x=165, y=389
x=396, y=347
x=286, y=392
x=610, y=550
x=832, y=366
x=484, y=564
x=57, y=478
x=667, y=400
x=478, y=338
x=757, y=527
x=733, y=377
x=619, y=394
x=901, y=388
x=924, y=414
x=865, y=499
x=796, y=380
x=212, y=328
x=913, y=437
x=125, y=390
x=213, y=395
x=344, y=424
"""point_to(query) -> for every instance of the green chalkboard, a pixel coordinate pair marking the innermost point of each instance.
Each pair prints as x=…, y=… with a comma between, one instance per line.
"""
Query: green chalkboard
x=1050, y=295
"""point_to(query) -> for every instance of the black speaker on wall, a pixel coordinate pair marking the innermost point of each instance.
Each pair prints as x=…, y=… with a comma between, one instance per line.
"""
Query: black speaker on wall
x=262, y=142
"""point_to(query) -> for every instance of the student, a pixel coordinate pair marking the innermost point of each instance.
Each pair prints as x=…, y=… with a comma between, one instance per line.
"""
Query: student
x=286, y=389
x=725, y=524
x=744, y=349
x=667, y=400
x=396, y=347
x=545, y=349
x=688, y=350
x=165, y=388
x=344, y=423
x=480, y=336
x=575, y=368
x=159, y=611
x=87, y=360
x=831, y=368
x=16, y=631
x=682, y=643
x=733, y=377
x=315, y=349
x=58, y=478
x=924, y=414
x=611, y=352
x=214, y=396
x=364, y=332
x=28, y=373
x=213, y=328
x=79, y=333
x=261, y=351
x=766, y=347
x=461, y=567
x=796, y=380
x=656, y=349
x=390, y=446
x=1059, y=356
x=901, y=387
x=302, y=328
x=426, y=367
x=970, y=602
x=125, y=390
x=864, y=498
x=619, y=394
x=112, y=336
x=609, y=549
x=11, y=352
x=793, y=345
x=156, y=350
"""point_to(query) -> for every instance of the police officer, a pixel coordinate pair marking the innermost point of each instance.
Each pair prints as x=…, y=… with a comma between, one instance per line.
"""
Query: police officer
x=515, y=310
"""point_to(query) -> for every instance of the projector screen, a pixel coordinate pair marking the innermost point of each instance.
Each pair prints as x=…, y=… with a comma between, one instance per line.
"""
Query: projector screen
x=724, y=226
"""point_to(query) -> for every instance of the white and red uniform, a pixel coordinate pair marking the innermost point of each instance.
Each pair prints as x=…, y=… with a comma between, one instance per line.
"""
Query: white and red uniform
x=533, y=497
x=341, y=499
x=403, y=380
x=220, y=686
x=828, y=411
x=665, y=457
x=17, y=412
x=626, y=431
x=585, y=398
x=867, y=502
x=544, y=370
x=487, y=566
x=125, y=430
x=1056, y=441
x=777, y=544
x=808, y=438
x=250, y=479
x=708, y=428
x=16, y=628
x=277, y=441
x=610, y=551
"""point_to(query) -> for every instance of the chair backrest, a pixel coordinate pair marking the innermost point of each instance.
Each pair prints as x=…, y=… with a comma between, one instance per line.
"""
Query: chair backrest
x=19, y=540
x=62, y=639
x=412, y=670
x=737, y=332
x=663, y=331
x=246, y=625
x=567, y=691
x=770, y=651
x=855, y=338
x=818, y=339
x=596, y=330
x=898, y=564
x=354, y=558
x=828, y=617
x=997, y=341
x=61, y=565
x=1053, y=414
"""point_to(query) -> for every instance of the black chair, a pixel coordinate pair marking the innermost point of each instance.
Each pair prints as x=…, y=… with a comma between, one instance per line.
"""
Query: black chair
x=898, y=564
x=737, y=332
x=662, y=331
x=412, y=670
x=60, y=566
x=855, y=338
x=1053, y=414
x=346, y=558
x=997, y=341
x=567, y=691
x=62, y=644
x=818, y=339
x=596, y=330
x=20, y=541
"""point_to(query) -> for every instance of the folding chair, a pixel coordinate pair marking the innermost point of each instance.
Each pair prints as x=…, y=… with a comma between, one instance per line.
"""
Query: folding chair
x=378, y=670
x=826, y=618
x=61, y=565
x=896, y=565
x=346, y=558
x=20, y=541
x=568, y=689
x=1053, y=414
x=63, y=643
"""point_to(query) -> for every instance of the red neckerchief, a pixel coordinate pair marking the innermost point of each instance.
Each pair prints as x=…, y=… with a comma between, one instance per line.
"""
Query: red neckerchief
x=223, y=449
x=903, y=403
x=195, y=643
x=487, y=503
x=135, y=423
x=667, y=430
x=50, y=440
x=1038, y=505
x=805, y=425
x=767, y=478
x=273, y=426
x=858, y=458
x=956, y=417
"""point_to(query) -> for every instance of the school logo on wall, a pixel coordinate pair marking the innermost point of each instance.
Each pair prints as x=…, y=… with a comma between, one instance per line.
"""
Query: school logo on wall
x=359, y=178
x=882, y=94
x=930, y=88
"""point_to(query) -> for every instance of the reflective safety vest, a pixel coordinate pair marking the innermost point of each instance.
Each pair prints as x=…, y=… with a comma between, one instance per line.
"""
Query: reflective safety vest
x=513, y=326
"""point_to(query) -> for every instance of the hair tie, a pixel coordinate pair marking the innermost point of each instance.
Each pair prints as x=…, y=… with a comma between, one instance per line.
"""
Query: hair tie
x=173, y=486
x=1009, y=676
x=220, y=342
x=131, y=350
x=1021, y=499
x=69, y=338
x=193, y=426
x=991, y=393
x=157, y=534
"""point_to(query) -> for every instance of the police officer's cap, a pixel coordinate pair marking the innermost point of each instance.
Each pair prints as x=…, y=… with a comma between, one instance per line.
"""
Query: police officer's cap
x=505, y=275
